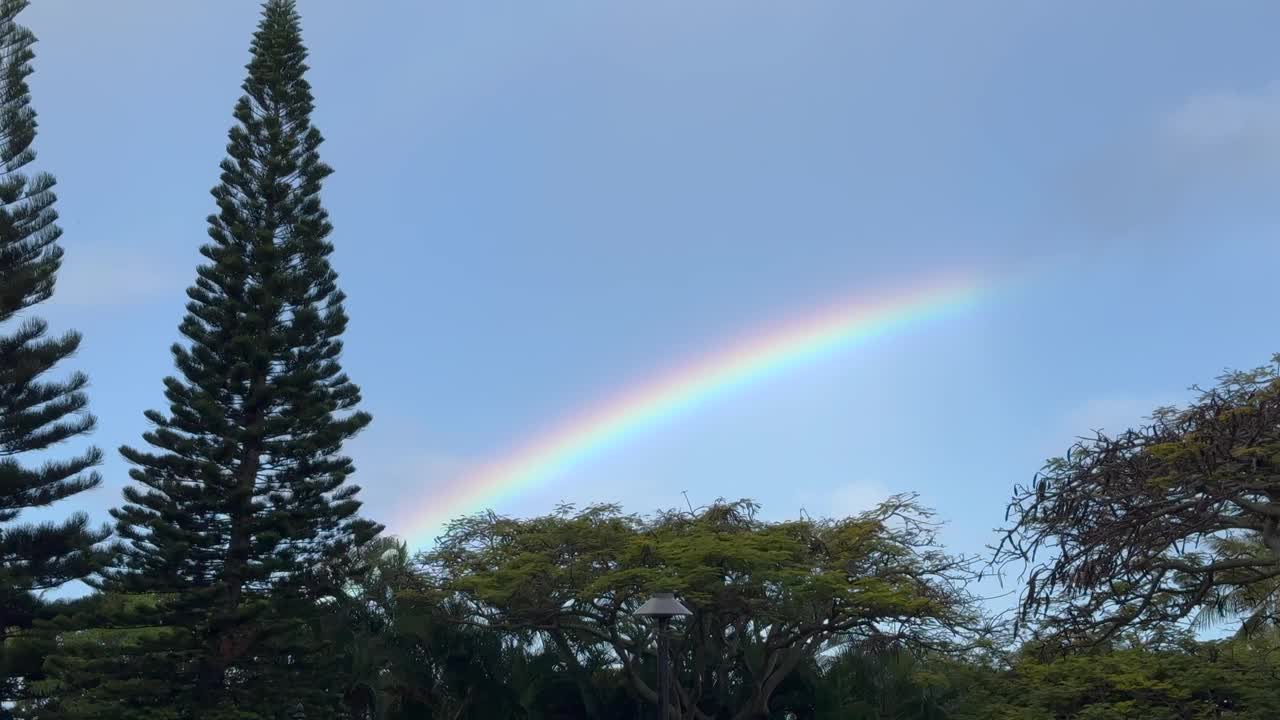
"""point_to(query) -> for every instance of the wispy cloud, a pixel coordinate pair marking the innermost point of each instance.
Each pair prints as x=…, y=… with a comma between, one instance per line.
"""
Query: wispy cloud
x=1111, y=414
x=401, y=469
x=857, y=497
x=1234, y=126
x=1108, y=413
x=96, y=278
x=1217, y=146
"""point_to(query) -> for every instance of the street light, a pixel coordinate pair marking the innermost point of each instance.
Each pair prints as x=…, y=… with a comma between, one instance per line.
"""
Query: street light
x=662, y=607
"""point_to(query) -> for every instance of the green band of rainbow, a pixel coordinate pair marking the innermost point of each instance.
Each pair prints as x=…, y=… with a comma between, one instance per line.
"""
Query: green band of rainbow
x=758, y=357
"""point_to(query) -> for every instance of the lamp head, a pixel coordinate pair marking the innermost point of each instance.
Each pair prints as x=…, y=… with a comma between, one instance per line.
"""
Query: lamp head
x=662, y=605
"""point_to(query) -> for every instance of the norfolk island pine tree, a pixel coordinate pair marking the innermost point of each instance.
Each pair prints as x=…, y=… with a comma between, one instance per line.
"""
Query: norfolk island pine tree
x=241, y=522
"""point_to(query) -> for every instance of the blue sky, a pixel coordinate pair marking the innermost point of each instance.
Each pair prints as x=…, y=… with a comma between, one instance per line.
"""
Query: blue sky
x=538, y=203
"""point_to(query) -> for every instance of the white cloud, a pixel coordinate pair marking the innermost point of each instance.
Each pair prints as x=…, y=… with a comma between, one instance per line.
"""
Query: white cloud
x=1220, y=120
x=92, y=277
x=854, y=498
x=1111, y=414
x=401, y=471
x=1210, y=148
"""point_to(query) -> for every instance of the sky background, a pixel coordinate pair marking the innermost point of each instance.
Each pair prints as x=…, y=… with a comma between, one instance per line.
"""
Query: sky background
x=538, y=204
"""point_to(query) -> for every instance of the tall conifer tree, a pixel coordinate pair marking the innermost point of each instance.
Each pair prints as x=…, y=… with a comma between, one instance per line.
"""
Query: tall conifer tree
x=242, y=509
x=36, y=413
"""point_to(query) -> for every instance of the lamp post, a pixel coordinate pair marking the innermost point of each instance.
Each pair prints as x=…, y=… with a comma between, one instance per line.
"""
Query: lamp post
x=662, y=607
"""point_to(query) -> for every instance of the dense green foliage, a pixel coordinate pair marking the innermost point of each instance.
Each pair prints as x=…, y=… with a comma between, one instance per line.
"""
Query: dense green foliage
x=1203, y=681
x=36, y=412
x=241, y=526
x=766, y=597
x=244, y=585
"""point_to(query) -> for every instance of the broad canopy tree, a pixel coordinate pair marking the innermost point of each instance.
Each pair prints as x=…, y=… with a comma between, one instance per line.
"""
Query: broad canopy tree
x=1160, y=523
x=766, y=597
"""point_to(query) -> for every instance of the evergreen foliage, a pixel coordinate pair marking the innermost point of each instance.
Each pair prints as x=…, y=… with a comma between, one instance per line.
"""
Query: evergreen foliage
x=36, y=412
x=241, y=524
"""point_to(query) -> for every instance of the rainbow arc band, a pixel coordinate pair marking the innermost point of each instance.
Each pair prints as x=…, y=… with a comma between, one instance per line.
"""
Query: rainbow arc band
x=757, y=357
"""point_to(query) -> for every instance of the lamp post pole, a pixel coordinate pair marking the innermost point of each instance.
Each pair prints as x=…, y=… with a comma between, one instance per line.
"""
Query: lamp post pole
x=664, y=668
x=662, y=607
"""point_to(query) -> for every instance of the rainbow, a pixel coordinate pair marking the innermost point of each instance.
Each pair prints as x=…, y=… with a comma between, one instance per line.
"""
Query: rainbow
x=684, y=389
